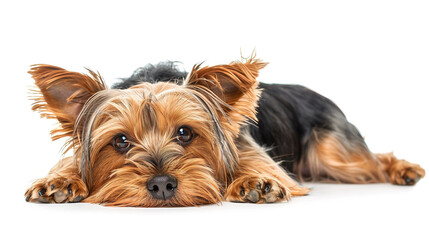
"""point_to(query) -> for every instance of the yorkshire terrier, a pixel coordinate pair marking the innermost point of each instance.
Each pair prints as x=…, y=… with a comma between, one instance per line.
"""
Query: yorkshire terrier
x=163, y=137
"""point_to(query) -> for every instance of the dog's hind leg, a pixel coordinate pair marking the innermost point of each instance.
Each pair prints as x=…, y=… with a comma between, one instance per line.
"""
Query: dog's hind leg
x=400, y=172
x=332, y=156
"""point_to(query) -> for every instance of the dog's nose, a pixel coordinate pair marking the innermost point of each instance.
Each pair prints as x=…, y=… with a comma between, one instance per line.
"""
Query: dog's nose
x=162, y=186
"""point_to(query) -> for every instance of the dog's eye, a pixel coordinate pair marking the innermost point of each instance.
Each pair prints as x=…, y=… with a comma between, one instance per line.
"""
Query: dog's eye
x=121, y=143
x=184, y=135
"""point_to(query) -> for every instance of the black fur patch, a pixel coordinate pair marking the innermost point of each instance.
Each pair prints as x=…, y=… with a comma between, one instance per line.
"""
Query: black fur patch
x=286, y=116
x=161, y=72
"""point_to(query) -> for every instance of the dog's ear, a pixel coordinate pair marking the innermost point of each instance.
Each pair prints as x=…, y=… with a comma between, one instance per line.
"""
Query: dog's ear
x=62, y=94
x=234, y=84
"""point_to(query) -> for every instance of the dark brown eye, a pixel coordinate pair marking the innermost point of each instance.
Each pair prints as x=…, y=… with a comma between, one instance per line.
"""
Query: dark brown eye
x=184, y=135
x=121, y=143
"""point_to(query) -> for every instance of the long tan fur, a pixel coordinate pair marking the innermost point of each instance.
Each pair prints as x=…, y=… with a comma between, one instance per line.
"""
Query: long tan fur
x=222, y=162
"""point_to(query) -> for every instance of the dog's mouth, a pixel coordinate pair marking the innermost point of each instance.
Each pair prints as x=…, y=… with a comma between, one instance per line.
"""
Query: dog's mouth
x=191, y=186
x=164, y=198
x=168, y=191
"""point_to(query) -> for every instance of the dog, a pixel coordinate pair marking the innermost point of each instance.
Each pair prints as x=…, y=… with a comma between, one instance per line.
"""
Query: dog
x=167, y=138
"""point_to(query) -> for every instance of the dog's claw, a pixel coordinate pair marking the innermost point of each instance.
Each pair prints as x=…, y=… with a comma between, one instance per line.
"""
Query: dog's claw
x=41, y=192
x=408, y=181
x=78, y=199
x=281, y=195
x=267, y=188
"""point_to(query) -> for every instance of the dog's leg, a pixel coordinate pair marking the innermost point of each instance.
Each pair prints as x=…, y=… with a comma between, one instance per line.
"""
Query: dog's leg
x=258, y=178
x=333, y=157
x=63, y=184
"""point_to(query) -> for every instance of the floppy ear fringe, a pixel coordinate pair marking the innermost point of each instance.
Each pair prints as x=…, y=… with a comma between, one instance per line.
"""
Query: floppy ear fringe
x=47, y=76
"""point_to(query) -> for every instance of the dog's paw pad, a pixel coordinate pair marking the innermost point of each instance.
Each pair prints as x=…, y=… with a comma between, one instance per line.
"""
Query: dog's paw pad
x=257, y=190
x=253, y=196
x=405, y=173
x=57, y=190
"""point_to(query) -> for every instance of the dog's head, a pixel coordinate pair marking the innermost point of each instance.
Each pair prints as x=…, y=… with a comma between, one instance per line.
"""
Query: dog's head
x=158, y=144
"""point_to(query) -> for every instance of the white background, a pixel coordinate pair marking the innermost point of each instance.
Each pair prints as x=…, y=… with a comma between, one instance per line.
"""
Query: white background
x=370, y=57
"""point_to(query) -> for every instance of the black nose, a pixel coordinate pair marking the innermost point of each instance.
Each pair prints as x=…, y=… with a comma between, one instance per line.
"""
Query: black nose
x=162, y=186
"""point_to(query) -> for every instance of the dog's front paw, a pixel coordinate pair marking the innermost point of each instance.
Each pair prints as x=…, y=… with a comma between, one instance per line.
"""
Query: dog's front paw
x=257, y=189
x=57, y=190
